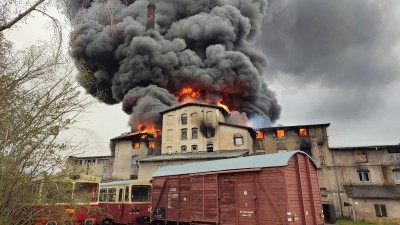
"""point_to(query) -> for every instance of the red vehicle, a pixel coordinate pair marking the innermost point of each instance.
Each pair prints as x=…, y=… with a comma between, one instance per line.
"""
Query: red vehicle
x=82, y=210
x=125, y=202
x=271, y=189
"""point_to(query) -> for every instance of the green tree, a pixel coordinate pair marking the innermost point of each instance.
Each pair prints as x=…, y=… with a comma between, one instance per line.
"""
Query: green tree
x=39, y=99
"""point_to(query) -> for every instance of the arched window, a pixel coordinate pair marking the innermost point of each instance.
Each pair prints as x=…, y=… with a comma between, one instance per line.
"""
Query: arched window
x=193, y=118
x=184, y=134
x=195, y=133
x=184, y=119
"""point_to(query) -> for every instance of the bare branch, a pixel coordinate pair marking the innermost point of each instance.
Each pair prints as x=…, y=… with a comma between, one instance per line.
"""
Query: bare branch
x=20, y=16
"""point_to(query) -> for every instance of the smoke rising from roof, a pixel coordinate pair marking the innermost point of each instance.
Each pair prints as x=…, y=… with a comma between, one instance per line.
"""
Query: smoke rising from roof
x=206, y=45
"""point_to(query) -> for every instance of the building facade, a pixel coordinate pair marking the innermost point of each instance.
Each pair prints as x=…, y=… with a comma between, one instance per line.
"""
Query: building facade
x=97, y=166
x=370, y=182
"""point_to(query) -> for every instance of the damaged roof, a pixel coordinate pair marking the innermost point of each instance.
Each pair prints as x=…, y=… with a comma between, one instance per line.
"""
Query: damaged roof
x=373, y=191
x=196, y=104
x=297, y=126
x=198, y=155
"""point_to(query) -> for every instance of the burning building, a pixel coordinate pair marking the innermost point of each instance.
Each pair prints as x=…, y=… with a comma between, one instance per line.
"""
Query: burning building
x=146, y=54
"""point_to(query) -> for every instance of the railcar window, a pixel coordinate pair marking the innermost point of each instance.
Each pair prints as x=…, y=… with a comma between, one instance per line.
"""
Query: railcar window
x=140, y=193
x=112, y=192
x=103, y=195
x=126, y=193
x=120, y=194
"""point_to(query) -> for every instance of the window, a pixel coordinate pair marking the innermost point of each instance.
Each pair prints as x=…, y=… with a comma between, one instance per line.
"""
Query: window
x=193, y=117
x=103, y=161
x=280, y=133
x=184, y=134
x=238, y=139
x=306, y=149
x=111, y=195
x=323, y=191
x=126, y=193
x=120, y=194
x=151, y=144
x=303, y=132
x=380, y=211
x=183, y=148
x=363, y=175
x=184, y=119
x=194, y=148
x=210, y=132
x=136, y=145
x=396, y=174
x=105, y=172
x=195, y=132
x=260, y=135
x=140, y=193
x=103, y=195
x=210, y=148
x=360, y=157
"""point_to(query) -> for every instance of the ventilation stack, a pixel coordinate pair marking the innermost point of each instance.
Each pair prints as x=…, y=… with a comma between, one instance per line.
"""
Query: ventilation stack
x=151, y=16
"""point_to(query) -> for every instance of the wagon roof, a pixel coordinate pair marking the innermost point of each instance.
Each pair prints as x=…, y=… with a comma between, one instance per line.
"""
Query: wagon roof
x=249, y=162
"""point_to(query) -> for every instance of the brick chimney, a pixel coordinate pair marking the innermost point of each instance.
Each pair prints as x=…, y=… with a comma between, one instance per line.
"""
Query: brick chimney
x=151, y=16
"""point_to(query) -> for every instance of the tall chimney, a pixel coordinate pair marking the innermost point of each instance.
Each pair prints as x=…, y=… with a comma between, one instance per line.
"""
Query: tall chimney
x=151, y=16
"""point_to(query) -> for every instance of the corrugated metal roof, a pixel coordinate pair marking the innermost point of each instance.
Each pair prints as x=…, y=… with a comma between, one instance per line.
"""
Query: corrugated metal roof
x=259, y=161
x=223, y=154
x=373, y=191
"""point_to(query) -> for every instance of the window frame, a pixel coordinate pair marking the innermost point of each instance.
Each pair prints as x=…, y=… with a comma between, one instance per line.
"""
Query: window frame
x=183, y=148
x=184, y=131
x=380, y=210
x=210, y=147
x=195, y=130
x=362, y=177
x=195, y=150
x=184, y=118
x=135, y=187
x=396, y=171
x=277, y=133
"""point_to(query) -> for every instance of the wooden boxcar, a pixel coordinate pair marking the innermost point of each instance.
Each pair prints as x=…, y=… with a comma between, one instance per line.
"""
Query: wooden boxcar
x=280, y=188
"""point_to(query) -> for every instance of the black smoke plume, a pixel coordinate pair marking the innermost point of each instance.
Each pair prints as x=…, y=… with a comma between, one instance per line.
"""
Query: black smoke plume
x=207, y=45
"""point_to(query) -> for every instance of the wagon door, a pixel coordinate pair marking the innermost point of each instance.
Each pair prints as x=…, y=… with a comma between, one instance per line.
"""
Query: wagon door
x=245, y=198
x=204, y=198
x=227, y=203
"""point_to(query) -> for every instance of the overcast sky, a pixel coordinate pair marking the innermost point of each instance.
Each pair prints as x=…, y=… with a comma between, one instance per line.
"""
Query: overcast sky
x=332, y=62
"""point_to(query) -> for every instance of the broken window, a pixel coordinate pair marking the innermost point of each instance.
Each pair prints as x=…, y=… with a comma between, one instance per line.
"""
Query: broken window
x=364, y=175
x=280, y=133
x=183, y=148
x=184, y=119
x=210, y=148
x=184, y=134
x=151, y=144
x=380, y=210
x=303, y=132
x=136, y=145
x=260, y=135
x=195, y=132
x=210, y=132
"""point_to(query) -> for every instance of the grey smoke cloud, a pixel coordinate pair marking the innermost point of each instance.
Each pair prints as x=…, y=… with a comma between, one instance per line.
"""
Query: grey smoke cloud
x=346, y=45
x=207, y=45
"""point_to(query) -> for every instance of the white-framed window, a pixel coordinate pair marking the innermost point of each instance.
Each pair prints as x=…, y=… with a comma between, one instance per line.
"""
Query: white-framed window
x=380, y=210
x=364, y=175
x=396, y=174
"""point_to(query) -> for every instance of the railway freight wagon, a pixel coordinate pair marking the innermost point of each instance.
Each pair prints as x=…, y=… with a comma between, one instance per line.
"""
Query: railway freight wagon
x=280, y=188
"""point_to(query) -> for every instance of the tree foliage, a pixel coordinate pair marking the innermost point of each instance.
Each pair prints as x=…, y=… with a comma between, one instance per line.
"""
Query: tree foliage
x=39, y=99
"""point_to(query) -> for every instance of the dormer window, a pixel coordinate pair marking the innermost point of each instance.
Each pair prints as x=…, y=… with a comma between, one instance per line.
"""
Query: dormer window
x=184, y=119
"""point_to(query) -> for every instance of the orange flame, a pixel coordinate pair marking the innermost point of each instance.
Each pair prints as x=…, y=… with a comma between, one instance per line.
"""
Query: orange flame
x=188, y=94
x=260, y=134
x=145, y=129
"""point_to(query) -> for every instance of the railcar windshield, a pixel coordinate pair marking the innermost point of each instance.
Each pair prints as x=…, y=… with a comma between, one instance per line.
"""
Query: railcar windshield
x=140, y=193
x=85, y=192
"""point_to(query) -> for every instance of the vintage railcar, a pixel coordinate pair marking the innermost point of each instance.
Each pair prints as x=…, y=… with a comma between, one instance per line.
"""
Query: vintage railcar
x=81, y=209
x=280, y=188
x=125, y=202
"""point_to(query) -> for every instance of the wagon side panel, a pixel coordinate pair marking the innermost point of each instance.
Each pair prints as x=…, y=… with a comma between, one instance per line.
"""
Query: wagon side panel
x=227, y=202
